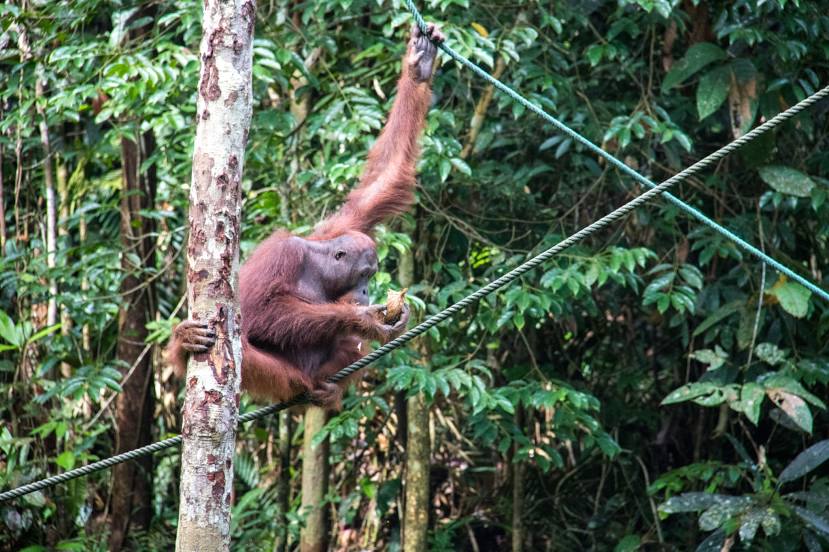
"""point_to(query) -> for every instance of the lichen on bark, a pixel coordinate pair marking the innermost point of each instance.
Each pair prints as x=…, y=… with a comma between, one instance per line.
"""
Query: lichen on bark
x=213, y=378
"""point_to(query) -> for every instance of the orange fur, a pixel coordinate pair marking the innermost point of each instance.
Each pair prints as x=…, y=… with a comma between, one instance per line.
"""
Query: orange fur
x=295, y=334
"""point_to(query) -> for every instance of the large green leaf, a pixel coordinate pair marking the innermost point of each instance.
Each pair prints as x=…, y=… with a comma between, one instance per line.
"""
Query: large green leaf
x=787, y=180
x=750, y=522
x=818, y=522
x=722, y=511
x=689, y=392
x=751, y=401
x=806, y=461
x=793, y=297
x=691, y=502
x=718, y=315
x=712, y=90
x=8, y=330
x=794, y=407
x=698, y=56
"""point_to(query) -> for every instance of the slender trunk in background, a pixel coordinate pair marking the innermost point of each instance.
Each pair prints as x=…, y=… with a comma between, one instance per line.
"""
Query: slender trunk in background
x=405, y=277
x=63, y=232
x=416, y=483
x=283, y=489
x=417, y=467
x=315, y=470
x=86, y=336
x=51, y=207
x=300, y=105
x=518, y=473
x=481, y=107
x=2, y=205
x=130, y=503
x=18, y=180
x=211, y=404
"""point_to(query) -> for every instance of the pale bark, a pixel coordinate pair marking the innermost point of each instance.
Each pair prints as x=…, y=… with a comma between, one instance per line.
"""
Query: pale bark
x=212, y=383
x=86, y=335
x=63, y=215
x=51, y=208
x=315, y=470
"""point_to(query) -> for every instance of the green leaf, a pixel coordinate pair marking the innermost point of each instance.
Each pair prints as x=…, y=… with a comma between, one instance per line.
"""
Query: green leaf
x=461, y=165
x=691, y=502
x=721, y=313
x=792, y=386
x=787, y=180
x=794, y=407
x=793, y=297
x=698, y=56
x=712, y=90
x=594, y=54
x=750, y=523
x=689, y=392
x=751, y=401
x=714, y=359
x=818, y=522
x=769, y=353
x=821, y=499
x=66, y=460
x=722, y=511
x=44, y=332
x=806, y=461
x=445, y=168
x=771, y=522
x=664, y=7
x=8, y=330
x=713, y=543
x=630, y=543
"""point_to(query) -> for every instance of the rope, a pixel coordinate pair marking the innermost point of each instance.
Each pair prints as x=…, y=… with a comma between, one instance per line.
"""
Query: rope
x=696, y=213
x=133, y=454
x=474, y=297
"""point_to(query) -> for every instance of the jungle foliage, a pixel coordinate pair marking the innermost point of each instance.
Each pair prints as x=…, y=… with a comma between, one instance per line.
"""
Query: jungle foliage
x=662, y=388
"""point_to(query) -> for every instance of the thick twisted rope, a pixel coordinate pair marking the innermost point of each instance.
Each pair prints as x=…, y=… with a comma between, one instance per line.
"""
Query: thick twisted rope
x=133, y=454
x=474, y=297
x=696, y=213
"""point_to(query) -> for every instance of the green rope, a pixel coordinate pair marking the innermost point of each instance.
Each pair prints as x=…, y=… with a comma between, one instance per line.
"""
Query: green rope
x=697, y=214
x=436, y=319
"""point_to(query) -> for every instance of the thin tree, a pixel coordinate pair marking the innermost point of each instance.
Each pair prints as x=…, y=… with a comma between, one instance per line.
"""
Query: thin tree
x=212, y=384
x=131, y=494
x=315, y=472
x=418, y=442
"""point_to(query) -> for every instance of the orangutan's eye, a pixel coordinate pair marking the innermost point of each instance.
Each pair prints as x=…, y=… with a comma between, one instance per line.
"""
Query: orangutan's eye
x=339, y=254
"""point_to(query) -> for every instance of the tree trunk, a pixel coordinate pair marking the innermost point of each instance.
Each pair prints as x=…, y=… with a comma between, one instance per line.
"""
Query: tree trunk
x=131, y=506
x=416, y=484
x=418, y=445
x=283, y=490
x=51, y=209
x=211, y=402
x=315, y=470
x=2, y=206
x=518, y=472
x=63, y=215
x=480, y=110
x=86, y=335
x=405, y=277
